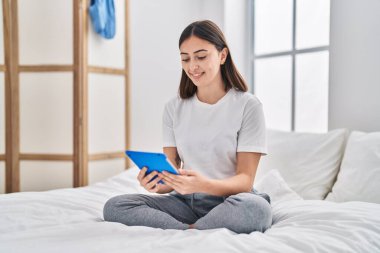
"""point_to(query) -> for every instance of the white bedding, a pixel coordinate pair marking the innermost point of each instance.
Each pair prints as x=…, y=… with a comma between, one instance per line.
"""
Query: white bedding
x=70, y=220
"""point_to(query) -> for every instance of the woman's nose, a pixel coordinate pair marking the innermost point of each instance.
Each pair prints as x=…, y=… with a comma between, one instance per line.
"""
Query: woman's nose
x=193, y=66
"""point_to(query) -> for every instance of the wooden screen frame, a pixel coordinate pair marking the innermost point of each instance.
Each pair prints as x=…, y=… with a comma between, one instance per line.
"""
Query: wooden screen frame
x=80, y=70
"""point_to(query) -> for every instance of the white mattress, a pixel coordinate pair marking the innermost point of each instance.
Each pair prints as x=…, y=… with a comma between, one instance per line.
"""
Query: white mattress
x=71, y=220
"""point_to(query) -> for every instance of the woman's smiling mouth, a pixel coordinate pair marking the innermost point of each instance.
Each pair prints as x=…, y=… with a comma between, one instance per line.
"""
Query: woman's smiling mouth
x=197, y=75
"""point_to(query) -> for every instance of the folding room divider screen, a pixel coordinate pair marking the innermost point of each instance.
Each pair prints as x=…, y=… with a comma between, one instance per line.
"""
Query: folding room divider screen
x=64, y=96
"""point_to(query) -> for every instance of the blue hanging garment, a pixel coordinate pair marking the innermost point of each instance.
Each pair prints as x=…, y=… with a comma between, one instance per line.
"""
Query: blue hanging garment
x=102, y=14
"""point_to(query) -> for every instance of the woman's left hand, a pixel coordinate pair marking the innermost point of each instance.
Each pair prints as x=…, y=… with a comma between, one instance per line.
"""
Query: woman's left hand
x=187, y=182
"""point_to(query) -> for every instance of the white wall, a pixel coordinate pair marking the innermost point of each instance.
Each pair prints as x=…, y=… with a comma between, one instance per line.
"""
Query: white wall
x=213, y=10
x=354, y=94
x=237, y=36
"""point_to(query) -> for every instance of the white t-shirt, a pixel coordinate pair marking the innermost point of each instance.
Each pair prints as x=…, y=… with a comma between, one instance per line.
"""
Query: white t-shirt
x=207, y=136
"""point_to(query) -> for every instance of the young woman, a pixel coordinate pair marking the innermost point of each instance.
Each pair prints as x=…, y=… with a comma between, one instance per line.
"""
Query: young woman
x=215, y=129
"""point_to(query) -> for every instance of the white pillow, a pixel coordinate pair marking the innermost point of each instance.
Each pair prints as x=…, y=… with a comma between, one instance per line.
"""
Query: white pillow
x=308, y=162
x=359, y=175
x=274, y=185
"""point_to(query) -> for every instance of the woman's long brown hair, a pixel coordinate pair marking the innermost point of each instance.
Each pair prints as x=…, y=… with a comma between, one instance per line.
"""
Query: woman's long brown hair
x=209, y=31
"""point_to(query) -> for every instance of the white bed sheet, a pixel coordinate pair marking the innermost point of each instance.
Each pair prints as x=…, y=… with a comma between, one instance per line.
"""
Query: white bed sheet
x=71, y=220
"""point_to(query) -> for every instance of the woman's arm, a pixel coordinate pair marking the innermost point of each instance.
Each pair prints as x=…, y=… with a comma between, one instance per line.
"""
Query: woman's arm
x=246, y=167
x=191, y=181
x=172, y=154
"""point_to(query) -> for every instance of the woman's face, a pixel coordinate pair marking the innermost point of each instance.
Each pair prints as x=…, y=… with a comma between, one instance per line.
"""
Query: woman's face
x=201, y=61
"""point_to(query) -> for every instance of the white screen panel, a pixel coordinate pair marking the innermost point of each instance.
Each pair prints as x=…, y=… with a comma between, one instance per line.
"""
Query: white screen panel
x=312, y=92
x=313, y=23
x=101, y=170
x=2, y=114
x=45, y=31
x=45, y=175
x=108, y=52
x=106, y=113
x=273, y=88
x=273, y=26
x=2, y=177
x=1, y=37
x=46, y=113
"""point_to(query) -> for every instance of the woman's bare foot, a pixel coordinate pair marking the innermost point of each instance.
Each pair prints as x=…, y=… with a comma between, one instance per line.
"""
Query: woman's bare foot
x=191, y=226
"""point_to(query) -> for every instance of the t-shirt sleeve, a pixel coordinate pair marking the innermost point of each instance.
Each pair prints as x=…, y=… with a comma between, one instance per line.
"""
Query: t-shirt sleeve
x=167, y=125
x=252, y=134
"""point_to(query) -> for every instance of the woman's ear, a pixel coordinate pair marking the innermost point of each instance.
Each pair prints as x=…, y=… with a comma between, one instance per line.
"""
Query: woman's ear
x=223, y=55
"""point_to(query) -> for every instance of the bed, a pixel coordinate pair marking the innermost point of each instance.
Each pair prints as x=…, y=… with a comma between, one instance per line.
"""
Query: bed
x=71, y=220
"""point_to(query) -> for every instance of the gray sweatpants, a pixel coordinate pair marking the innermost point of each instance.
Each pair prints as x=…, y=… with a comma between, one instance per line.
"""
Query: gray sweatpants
x=241, y=213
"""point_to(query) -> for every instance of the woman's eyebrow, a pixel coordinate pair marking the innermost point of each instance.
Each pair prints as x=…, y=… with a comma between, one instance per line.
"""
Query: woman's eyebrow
x=200, y=50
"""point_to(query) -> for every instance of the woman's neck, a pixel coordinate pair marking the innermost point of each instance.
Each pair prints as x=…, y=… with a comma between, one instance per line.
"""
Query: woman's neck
x=211, y=93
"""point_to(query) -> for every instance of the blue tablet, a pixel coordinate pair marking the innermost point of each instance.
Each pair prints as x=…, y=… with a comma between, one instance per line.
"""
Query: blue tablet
x=153, y=161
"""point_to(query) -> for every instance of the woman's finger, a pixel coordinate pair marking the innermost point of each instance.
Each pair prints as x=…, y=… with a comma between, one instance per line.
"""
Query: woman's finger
x=153, y=183
x=141, y=174
x=148, y=177
x=187, y=172
x=155, y=189
x=170, y=182
x=171, y=177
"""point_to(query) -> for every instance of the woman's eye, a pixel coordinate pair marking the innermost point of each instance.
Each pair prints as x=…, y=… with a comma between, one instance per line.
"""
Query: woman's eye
x=199, y=58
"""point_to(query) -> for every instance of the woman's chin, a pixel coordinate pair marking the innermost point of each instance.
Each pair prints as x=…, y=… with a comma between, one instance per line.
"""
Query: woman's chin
x=198, y=83
x=195, y=83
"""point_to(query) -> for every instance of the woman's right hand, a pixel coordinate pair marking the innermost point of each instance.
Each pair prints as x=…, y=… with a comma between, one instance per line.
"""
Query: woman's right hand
x=144, y=179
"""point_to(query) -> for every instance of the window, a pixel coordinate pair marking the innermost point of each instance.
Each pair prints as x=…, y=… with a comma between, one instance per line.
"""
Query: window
x=290, y=62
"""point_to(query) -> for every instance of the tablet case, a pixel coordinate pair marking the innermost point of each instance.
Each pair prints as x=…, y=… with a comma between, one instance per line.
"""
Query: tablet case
x=153, y=161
